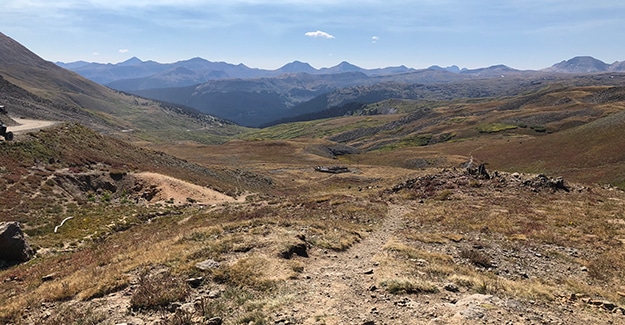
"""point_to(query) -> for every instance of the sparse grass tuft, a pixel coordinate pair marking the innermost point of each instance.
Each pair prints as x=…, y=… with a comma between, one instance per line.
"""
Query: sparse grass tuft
x=210, y=308
x=254, y=317
x=75, y=315
x=414, y=253
x=408, y=286
x=245, y=272
x=158, y=290
x=463, y=281
x=608, y=266
x=476, y=257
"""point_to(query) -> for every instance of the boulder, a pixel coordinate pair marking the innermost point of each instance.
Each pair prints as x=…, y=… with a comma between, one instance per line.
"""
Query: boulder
x=13, y=245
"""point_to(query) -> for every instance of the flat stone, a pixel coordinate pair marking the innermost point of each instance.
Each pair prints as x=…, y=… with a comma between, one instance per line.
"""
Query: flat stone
x=473, y=313
x=207, y=265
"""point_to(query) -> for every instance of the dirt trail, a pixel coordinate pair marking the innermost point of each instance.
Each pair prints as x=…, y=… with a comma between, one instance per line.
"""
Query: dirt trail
x=340, y=288
x=27, y=125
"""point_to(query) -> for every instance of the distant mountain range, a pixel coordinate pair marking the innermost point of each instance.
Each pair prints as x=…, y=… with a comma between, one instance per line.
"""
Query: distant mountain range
x=135, y=74
x=255, y=97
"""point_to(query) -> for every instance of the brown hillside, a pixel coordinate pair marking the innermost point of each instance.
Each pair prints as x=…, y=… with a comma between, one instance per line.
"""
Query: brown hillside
x=25, y=69
x=35, y=88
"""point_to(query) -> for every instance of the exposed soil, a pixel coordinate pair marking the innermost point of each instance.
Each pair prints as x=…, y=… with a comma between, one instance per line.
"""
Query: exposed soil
x=28, y=125
x=177, y=191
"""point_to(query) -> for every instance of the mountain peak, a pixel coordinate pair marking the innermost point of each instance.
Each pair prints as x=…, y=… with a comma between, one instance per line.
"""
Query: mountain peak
x=132, y=61
x=580, y=64
x=345, y=64
x=453, y=68
x=297, y=66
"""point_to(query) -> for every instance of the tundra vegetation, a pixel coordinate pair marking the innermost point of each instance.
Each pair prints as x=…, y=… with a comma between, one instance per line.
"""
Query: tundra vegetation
x=468, y=206
x=409, y=233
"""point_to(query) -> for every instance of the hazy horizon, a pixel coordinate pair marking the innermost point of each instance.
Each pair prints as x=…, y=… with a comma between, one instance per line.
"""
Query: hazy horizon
x=318, y=68
x=527, y=35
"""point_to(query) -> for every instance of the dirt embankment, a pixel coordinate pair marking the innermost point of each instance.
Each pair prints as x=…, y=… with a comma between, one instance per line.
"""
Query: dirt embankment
x=143, y=187
x=178, y=191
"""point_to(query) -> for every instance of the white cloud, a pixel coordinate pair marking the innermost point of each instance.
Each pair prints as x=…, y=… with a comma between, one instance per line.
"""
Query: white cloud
x=374, y=39
x=319, y=34
x=123, y=51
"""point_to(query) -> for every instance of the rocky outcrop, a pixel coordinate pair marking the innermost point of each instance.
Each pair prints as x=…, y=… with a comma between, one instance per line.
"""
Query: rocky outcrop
x=13, y=245
x=470, y=179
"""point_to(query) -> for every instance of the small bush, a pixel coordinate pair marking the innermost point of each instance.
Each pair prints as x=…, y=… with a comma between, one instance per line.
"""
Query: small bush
x=443, y=195
x=158, y=290
x=607, y=265
x=255, y=317
x=476, y=257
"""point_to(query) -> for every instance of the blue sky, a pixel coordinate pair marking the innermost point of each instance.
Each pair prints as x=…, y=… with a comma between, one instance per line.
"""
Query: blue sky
x=523, y=34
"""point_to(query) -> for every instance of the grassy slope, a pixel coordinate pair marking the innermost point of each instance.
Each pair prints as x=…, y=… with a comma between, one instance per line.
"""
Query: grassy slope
x=570, y=131
x=592, y=153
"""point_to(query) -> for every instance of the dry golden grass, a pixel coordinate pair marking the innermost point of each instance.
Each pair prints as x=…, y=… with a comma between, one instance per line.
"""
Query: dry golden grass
x=247, y=240
x=407, y=252
x=455, y=233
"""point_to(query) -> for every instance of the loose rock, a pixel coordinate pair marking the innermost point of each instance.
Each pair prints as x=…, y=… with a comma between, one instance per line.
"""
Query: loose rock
x=451, y=287
x=207, y=265
x=13, y=245
x=214, y=321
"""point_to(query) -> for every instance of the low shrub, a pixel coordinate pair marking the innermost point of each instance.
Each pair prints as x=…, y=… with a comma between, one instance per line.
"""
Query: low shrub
x=158, y=290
